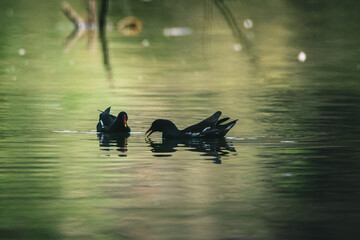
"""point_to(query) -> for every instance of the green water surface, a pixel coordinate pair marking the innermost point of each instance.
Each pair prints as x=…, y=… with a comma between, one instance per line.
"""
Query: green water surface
x=289, y=169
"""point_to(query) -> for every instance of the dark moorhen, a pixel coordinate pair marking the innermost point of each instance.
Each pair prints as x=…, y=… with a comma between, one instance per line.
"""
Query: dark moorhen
x=208, y=128
x=110, y=124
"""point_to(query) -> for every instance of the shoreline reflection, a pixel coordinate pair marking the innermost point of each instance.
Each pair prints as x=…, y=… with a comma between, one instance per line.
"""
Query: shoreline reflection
x=213, y=149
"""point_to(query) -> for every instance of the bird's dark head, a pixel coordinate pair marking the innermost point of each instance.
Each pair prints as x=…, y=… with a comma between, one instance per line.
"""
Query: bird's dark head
x=124, y=117
x=161, y=125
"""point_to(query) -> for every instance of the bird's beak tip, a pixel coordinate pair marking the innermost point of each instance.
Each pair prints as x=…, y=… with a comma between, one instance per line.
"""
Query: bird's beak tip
x=149, y=132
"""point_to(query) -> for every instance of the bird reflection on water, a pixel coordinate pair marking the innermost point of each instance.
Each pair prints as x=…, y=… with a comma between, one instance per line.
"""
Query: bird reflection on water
x=213, y=149
x=109, y=140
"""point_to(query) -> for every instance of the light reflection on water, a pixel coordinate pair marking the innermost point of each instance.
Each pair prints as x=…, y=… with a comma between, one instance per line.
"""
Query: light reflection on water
x=288, y=170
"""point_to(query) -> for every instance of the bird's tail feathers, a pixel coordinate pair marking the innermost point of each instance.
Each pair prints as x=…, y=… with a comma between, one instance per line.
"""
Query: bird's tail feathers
x=222, y=120
x=213, y=118
x=107, y=110
x=104, y=113
x=226, y=127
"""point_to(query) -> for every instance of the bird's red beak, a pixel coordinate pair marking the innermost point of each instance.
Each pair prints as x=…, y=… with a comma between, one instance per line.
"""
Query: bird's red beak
x=125, y=119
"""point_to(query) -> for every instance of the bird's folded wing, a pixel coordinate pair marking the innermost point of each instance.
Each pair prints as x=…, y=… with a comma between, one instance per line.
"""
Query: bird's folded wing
x=208, y=122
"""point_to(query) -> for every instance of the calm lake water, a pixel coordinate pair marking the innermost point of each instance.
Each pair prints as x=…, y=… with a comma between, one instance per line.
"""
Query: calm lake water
x=288, y=70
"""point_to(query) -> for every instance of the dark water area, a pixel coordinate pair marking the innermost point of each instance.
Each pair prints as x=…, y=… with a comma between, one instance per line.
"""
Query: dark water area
x=288, y=70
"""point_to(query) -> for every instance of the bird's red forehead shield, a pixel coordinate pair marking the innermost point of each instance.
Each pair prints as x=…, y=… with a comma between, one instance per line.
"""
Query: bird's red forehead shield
x=125, y=119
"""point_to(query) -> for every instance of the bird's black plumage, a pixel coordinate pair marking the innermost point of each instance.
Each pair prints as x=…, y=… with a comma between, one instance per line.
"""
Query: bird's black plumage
x=109, y=123
x=211, y=127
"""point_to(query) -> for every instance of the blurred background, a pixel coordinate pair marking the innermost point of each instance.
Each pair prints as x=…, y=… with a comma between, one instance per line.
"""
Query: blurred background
x=288, y=70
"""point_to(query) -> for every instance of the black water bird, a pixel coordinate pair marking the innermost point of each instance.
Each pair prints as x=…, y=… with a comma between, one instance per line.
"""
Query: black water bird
x=211, y=127
x=109, y=123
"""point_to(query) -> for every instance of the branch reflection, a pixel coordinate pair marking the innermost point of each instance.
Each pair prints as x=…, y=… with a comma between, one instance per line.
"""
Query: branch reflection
x=89, y=26
x=104, y=45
